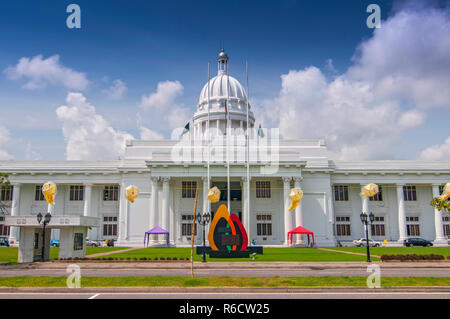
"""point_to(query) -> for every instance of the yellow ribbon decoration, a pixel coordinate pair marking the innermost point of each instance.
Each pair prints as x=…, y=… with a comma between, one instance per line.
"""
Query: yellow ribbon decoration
x=214, y=195
x=369, y=190
x=131, y=192
x=49, y=191
x=446, y=193
x=296, y=196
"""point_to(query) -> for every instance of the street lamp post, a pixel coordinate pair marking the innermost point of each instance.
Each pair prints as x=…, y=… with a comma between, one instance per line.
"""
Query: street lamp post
x=46, y=220
x=203, y=219
x=366, y=220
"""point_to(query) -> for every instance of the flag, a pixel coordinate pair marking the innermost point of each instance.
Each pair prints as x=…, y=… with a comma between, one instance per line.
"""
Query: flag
x=186, y=129
x=260, y=131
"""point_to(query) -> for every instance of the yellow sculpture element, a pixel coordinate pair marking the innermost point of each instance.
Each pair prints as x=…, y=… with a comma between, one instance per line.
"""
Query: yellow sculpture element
x=369, y=190
x=49, y=191
x=446, y=193
x=214, y=195
x=131, y=192
x=296, y=196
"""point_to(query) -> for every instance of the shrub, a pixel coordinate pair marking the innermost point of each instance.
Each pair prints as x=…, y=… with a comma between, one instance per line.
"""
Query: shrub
x=411, y=257
x=162, y=258
x=174, y=258
x=156, y=258
x=168, y=258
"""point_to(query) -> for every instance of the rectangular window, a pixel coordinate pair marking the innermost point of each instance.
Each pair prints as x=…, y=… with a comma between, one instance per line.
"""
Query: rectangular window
x=263, y=189
x=109, y=226
x=378, y=197
x=341, y=193
x=264, y=225
x=38, y=195
x=4, y=230
x=188, y=189
x=6, y=193
x=186, y=225
x=78, y=241
x=111, y=193
x=412, y=226
x=409, y=193
x=447, y=230
x=343, y=226
x=378, y=230
x=76, y=192
x=36, y=241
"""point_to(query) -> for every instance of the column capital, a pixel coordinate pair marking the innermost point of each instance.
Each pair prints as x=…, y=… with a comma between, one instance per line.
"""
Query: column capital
x=154, y=179
x=88, y=184
x=245, y=179
x=298, y=179
x=165, y=179
x=286, y=179
x=400, y=184
x=15, y=184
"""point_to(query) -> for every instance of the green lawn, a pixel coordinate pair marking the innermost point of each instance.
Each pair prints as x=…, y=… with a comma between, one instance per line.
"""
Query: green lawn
x=9, y=254
x=270, y=254
x=445, y=251
x=161, y=281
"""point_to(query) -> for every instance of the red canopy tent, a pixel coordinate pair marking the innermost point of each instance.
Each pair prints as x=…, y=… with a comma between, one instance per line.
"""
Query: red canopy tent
x=301, y=230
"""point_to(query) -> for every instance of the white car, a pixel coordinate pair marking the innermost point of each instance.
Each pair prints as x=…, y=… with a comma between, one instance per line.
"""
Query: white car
x=362, y=242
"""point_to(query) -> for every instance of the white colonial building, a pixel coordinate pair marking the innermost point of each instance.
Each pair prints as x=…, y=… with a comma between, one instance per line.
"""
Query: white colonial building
x=168, y=172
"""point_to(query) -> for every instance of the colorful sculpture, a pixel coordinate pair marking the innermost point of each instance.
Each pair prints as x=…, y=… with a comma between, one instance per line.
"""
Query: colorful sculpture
x=296, y=196
x=369, y=190
x=49, y=191
x=446, y=193
x=131, y=192
x=214, y=195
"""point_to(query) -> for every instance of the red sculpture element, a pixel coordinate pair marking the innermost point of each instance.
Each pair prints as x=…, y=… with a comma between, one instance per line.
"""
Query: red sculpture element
x=238, y=223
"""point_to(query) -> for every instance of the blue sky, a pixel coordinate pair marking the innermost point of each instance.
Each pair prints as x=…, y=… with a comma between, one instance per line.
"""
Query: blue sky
x=143, y=43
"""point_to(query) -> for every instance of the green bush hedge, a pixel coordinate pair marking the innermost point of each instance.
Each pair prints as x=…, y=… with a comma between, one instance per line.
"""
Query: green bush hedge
x=412, y=257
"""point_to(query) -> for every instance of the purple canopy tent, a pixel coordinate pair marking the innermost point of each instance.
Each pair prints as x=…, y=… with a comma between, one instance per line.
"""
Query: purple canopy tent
x=156, y=230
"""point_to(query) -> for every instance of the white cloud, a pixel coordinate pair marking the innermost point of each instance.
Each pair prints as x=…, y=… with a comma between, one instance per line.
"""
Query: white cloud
x=164, y=96
x=87, y=134
x=117, y=90
x=437, y=152
x=397, y=74
x=148, y=134
x=40, y=73
x=5, y=137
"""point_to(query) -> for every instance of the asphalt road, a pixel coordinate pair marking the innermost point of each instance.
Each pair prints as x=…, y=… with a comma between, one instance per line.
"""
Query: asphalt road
x=235, y=272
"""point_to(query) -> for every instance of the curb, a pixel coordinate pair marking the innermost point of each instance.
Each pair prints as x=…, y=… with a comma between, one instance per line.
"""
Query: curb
x=425, y=289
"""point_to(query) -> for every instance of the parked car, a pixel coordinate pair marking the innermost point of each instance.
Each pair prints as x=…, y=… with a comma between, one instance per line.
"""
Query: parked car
x=362, y=242
x=93, y=243
x=4, y=241
x=418, y=242
x=54, y=243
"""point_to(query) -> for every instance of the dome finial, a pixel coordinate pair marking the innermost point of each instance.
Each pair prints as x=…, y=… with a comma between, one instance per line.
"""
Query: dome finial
x=222, y=60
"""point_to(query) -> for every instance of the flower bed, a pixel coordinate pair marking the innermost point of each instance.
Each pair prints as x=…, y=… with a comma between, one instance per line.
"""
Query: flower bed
x=413, y=257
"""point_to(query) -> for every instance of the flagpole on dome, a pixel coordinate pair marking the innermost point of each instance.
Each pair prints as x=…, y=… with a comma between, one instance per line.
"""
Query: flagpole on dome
x=209, y=136
x=228, y=131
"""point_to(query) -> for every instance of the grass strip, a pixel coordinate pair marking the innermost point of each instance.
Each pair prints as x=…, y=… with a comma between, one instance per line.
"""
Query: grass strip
x=162, y=281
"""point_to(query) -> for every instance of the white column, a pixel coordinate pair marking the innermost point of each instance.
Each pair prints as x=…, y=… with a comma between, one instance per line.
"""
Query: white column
x=122, y=213
x=365, y=210
x=287, y=213
x=165, y=207
x=14, y=231
x=87, y=199
x=298, y=210
x=154, y=206
x=438, y=224
x=401, y=214
x=87, y=204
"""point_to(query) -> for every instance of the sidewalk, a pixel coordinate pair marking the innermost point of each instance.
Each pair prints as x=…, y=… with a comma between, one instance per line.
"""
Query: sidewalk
x=226, y=265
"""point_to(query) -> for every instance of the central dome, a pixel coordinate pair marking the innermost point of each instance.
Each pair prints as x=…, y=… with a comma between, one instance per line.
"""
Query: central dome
x=218, y=90
x=223, y=101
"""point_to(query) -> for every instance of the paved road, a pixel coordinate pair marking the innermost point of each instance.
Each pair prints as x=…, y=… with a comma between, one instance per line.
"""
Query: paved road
x=232, y=296
x=235, y=272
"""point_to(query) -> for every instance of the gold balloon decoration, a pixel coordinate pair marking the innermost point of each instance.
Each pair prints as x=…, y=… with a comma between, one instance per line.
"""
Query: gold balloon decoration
x=131, y=192
x=296, y=196
x=214, y=195
x=369, y=190
x=49, y=191
x=446, y=193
